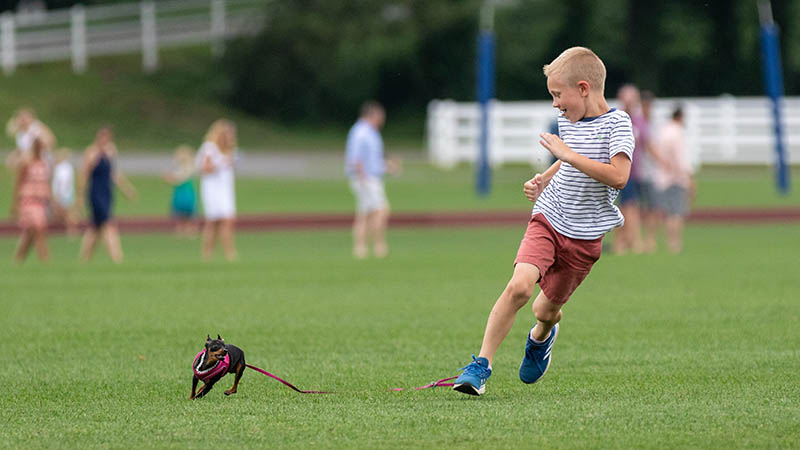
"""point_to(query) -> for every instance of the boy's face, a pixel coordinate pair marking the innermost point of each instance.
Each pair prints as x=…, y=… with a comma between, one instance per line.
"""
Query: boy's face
x=570, y=99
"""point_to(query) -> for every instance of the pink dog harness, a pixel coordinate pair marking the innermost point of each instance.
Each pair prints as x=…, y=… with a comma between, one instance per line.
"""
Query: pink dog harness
x=221, y=367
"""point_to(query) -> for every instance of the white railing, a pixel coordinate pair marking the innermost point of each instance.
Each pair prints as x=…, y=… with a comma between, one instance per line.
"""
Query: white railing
x=81, y=32
x=720, y=130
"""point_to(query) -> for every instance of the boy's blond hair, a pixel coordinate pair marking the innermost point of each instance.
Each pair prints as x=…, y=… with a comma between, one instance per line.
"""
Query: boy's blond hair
x=578, y=64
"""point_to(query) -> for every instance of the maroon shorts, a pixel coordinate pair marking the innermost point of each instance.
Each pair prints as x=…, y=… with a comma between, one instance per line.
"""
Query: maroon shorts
x=563, y=262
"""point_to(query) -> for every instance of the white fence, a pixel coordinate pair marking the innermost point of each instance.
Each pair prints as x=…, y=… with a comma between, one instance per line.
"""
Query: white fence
x=80, y=32
x=721, y=130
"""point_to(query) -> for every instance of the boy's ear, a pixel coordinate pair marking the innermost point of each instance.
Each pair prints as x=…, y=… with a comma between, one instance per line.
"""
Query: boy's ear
x=584, y=87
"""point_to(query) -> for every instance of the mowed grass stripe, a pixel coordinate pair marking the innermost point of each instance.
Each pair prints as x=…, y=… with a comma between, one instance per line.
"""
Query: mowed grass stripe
x=695, y=350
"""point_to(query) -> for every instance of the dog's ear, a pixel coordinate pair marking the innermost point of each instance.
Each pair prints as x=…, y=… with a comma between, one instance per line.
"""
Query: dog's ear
x=219, y=338
x=208, y=339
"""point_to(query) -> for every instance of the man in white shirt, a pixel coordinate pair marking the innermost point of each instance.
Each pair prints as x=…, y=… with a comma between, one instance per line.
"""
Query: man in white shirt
x=365, y=167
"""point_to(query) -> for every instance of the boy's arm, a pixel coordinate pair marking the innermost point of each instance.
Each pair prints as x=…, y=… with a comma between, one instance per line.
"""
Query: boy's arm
x=614, y=174
x=533, y=187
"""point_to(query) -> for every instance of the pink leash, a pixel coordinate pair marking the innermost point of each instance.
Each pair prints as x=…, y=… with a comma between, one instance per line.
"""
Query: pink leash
x=290, y=385
x=437, y=383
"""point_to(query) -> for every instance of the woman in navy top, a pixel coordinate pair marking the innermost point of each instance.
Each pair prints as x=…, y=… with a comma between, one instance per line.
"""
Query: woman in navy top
x=98, y=175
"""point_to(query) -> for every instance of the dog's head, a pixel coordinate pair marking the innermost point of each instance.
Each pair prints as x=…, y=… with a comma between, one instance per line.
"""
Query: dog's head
x=215, y=349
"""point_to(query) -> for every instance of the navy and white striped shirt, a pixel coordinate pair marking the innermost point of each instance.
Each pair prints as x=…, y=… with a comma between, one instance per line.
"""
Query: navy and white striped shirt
x=575, y=204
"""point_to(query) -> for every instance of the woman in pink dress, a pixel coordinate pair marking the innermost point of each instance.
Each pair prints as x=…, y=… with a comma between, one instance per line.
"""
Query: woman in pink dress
x=31, y=196
x=673, y=179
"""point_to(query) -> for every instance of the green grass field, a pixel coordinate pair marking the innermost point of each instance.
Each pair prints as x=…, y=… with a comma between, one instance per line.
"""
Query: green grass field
x=694, y=351
x=700, y=350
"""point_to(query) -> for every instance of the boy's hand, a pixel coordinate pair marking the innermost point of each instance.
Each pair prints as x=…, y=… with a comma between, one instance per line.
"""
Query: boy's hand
x=533, y=187
x=555, y=146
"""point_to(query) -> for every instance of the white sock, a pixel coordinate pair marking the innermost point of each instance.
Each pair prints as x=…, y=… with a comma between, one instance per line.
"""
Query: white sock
x=535, y=341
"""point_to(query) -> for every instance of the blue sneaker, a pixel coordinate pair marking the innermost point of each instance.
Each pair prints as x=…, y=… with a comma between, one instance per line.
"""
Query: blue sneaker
x=473, y=380
x=537, y=358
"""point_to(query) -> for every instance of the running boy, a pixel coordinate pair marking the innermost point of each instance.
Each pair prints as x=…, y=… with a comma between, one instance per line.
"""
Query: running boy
x=573, y=209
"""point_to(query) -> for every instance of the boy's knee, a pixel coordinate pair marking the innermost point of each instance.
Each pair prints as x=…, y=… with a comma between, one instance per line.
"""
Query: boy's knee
x=546, y=312
x=520, y=290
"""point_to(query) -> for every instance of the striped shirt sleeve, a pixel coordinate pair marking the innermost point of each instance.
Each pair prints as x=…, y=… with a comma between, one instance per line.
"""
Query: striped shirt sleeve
x=621, y=137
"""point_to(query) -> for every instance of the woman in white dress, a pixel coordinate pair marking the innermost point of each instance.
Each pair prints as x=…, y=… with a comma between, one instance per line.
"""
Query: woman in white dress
x=215, y=163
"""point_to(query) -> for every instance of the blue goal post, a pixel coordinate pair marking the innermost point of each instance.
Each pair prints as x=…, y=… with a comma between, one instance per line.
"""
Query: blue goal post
x=773, y=85
x=485, y=88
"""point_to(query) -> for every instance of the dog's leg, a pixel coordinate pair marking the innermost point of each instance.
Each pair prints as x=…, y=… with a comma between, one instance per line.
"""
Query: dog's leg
x=194, y=387
x=204, y=389
x=239, y=372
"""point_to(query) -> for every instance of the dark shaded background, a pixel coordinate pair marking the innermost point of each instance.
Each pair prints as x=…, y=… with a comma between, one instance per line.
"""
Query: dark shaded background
x=318, y=59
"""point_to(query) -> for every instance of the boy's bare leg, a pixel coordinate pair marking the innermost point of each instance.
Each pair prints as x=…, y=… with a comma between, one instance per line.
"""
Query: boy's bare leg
x=111, y=239
x=88, y=243
x=24, y=245
x=380, y=220
x=360, y=235
x=516, y=294
x=547, y=313
x=40, y=239
x=226, y=236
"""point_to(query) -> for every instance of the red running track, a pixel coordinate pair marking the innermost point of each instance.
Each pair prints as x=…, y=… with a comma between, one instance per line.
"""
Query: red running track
x=288, y=222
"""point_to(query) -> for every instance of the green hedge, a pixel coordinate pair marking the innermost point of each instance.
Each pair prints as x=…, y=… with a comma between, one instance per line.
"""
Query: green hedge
x=317, y=60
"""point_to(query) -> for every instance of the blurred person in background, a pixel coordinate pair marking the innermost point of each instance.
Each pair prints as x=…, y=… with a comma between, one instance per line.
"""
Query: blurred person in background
x=648, y=161
x=215, y=160
x=25, y=128
x=673, y=179
x=98, y=176
x=31, y=197
x=63, y=188
x=629, y=236
x=184, y=199
x=365, y=167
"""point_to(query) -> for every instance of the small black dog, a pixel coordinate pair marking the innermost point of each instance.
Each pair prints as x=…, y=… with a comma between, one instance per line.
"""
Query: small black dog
x=207, y=363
